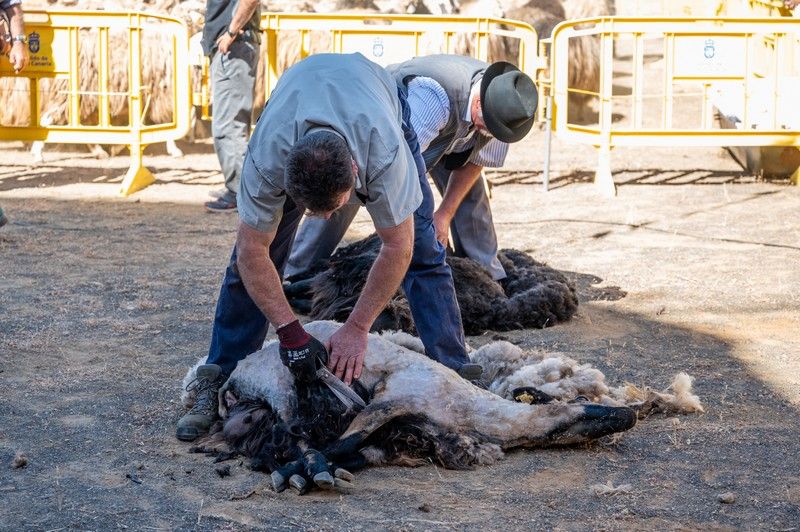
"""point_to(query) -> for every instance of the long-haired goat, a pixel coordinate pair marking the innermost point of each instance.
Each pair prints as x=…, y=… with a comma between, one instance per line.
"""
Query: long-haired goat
x=532, y=294
x=417, y=410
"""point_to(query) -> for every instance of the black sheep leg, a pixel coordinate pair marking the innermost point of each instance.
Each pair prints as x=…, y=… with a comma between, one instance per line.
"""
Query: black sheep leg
x=311, y=470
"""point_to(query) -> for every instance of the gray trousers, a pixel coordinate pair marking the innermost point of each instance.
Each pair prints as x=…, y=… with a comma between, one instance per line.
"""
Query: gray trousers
x=233, y=78
x=472, y=231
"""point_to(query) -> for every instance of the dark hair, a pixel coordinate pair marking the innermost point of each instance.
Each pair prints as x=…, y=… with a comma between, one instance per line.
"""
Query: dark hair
x=318, y=171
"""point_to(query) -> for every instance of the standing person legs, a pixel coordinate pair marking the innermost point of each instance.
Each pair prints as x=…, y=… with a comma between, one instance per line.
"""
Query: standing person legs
x=428, y=284
x=472, y=228
x=233, y=77
x=239, y=329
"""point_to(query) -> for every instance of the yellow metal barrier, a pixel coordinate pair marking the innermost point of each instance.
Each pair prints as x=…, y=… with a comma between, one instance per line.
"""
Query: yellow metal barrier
x=92, y=67
x=748, y=69
x=387, y=39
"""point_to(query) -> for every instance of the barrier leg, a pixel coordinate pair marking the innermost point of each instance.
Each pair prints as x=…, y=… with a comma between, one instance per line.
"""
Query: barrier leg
x=548, y=115
x=138, y=176
x=602, y=177
x=796, y=177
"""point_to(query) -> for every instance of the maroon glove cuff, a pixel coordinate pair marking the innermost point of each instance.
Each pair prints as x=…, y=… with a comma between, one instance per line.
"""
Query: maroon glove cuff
x=292, y=335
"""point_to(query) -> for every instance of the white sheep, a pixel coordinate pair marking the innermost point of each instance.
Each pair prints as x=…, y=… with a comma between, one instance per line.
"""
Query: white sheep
x=417, y=410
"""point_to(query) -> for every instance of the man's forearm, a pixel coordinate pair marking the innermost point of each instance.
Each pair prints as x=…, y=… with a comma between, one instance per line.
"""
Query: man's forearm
x=383, y=281
x=263, y=284
x=16, y=20
x=461, y=181
x=243, y=12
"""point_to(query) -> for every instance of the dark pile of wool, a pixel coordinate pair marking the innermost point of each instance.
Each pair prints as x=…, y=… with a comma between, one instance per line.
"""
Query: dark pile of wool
x=533, y=295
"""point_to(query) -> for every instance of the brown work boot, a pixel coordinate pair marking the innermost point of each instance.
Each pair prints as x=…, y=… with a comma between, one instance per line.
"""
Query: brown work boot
x=205, y=411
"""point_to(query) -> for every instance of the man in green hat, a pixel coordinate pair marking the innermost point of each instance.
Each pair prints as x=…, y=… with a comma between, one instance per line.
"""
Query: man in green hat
x=465, y=113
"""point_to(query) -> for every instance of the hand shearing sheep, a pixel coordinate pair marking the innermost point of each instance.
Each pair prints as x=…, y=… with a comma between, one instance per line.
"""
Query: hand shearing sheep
x=417, y=410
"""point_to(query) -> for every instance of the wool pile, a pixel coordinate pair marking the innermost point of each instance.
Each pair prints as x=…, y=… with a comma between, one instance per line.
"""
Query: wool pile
x=533, y=295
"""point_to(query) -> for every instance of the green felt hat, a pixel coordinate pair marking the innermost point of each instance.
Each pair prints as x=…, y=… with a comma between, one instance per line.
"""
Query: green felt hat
x=508, y=101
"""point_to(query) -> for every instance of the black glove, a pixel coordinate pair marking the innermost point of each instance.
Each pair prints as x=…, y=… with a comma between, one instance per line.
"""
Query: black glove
x=301, y=352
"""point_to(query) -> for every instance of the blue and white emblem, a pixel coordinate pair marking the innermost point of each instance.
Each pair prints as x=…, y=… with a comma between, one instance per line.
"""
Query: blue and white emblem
x=377, y=47
x=33, y=42
x=708, y=50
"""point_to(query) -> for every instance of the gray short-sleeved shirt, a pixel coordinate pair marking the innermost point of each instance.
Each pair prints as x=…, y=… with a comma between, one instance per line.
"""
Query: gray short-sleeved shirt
x=357, y=99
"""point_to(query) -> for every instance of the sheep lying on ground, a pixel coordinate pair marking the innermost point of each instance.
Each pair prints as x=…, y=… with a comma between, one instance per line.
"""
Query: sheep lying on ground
x=533, y=295
x=417, y=410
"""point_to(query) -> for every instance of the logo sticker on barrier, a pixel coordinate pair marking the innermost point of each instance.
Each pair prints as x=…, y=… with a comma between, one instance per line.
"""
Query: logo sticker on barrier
x=47, y=48
x=377, y=47
x=708, y=51
x=698, y=56
x=33, y=42
x=384, y=49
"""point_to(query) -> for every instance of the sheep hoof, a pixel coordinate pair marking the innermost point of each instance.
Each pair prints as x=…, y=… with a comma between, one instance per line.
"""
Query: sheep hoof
x=298, y=483
x=324, y=480
x=278, y=482
x=343, y=485
x=344, y=474
x=595, y=422
x=284, y=473
x=531, y=396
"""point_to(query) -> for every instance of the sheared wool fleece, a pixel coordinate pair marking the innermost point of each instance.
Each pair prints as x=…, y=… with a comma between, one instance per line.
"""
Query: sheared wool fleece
x=531, y=295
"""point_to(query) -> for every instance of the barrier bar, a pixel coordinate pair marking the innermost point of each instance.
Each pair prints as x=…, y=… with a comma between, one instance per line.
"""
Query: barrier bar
x=752, y=63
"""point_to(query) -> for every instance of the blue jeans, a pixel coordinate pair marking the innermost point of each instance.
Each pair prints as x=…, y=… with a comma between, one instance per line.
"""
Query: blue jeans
x=240, y=327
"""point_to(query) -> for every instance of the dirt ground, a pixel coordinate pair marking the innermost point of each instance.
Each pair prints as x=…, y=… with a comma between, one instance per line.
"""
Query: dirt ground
x=106, y=301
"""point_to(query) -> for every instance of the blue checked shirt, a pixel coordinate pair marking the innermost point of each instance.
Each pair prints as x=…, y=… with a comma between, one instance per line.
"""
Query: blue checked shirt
x=5, y=4
x=430, y=111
